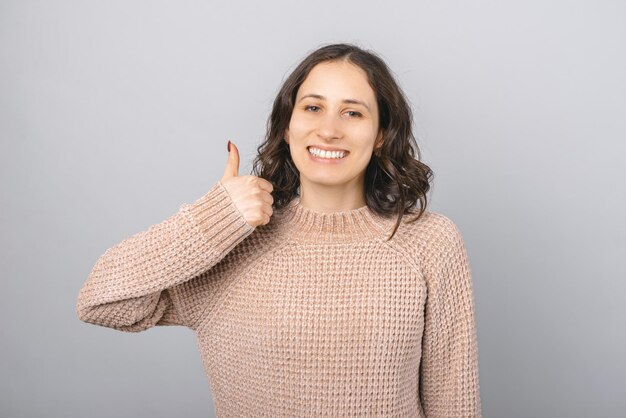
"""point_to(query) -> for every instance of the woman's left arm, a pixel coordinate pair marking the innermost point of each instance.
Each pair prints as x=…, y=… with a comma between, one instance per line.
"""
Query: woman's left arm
x=448, y=378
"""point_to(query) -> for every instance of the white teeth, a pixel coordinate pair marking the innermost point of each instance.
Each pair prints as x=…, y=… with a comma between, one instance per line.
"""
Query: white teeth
x=326, y=154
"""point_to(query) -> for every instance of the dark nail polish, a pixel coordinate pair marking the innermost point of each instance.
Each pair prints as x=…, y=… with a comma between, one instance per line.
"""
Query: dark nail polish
x=229, y=145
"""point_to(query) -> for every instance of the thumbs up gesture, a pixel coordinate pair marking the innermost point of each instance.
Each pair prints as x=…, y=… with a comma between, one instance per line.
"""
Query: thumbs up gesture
x=251, y=194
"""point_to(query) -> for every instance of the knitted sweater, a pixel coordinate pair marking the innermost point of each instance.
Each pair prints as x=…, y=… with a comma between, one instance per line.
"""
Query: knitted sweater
x=313, y=314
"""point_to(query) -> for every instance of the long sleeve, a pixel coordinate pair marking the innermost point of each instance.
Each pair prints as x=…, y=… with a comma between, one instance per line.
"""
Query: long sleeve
x=131, y=286
x=449, y=384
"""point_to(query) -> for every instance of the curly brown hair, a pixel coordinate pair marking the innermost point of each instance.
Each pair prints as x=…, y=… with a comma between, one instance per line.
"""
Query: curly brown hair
x=394, y=179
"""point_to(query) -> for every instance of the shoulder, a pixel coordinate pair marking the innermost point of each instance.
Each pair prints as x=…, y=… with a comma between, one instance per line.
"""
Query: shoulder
x=435, y=221
x=443, y=230
x=431, y=239
x=431, y=229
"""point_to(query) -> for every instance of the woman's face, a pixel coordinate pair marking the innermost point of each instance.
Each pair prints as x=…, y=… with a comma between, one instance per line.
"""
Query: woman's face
x=335, y=109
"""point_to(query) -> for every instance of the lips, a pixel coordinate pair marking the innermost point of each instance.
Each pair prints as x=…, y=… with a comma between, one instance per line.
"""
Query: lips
x=327, y=148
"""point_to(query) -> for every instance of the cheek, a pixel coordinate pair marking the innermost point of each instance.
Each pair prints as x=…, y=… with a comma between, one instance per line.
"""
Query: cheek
x=298, y=124
x=365, y=135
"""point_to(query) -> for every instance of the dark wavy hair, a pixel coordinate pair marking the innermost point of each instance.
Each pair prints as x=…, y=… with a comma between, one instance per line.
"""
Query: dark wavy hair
x=394, y=179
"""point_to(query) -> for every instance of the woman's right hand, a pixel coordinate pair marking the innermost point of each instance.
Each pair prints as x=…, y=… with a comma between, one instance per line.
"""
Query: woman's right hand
x=251, y=194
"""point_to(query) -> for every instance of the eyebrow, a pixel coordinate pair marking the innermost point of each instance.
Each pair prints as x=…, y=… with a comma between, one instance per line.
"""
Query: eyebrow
x=319, y=96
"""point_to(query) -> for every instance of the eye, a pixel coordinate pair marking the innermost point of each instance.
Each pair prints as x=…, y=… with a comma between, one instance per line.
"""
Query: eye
x=355, y=113
x=310, y=106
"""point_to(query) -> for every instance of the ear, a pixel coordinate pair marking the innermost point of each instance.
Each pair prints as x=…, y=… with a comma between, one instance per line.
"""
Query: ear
x=379, y=141
x=286, y=136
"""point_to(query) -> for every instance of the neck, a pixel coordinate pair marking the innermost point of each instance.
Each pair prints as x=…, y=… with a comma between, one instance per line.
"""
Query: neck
x=350, y=225
x=327, y=199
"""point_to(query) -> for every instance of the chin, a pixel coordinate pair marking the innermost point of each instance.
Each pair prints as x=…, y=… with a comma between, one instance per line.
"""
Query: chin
x=321, y=180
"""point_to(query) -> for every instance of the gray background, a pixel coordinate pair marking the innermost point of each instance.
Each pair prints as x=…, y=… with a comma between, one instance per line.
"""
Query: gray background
x=114, y=113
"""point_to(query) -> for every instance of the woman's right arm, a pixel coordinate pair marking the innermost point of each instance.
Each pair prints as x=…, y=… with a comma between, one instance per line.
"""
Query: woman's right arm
x=130, y=286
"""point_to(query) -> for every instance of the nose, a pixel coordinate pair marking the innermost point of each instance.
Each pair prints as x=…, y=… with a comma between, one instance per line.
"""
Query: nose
x=329, y=126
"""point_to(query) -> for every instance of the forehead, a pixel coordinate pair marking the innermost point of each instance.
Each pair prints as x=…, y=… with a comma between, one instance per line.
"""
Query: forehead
x=338, y=80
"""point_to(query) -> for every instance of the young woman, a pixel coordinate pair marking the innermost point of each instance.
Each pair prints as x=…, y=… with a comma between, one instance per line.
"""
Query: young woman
x=314, y=286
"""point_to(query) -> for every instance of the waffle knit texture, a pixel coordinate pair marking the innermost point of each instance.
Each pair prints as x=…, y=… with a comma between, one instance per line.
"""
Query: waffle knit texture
x=311, y=315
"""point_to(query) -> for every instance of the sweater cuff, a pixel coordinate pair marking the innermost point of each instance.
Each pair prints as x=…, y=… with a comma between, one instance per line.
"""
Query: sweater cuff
x=218, y=217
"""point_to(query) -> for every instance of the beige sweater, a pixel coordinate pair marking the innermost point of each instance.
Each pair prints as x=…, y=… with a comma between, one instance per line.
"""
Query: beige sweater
x=313, y=314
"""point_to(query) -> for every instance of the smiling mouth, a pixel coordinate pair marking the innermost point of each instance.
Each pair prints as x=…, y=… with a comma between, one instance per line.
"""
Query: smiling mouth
x=329, y=155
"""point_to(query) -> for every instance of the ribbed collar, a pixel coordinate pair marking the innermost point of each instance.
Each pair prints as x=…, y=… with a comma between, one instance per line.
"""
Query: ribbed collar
x=308, y=225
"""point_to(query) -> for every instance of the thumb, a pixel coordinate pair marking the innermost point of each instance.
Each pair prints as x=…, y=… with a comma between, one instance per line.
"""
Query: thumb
x=232, y=165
